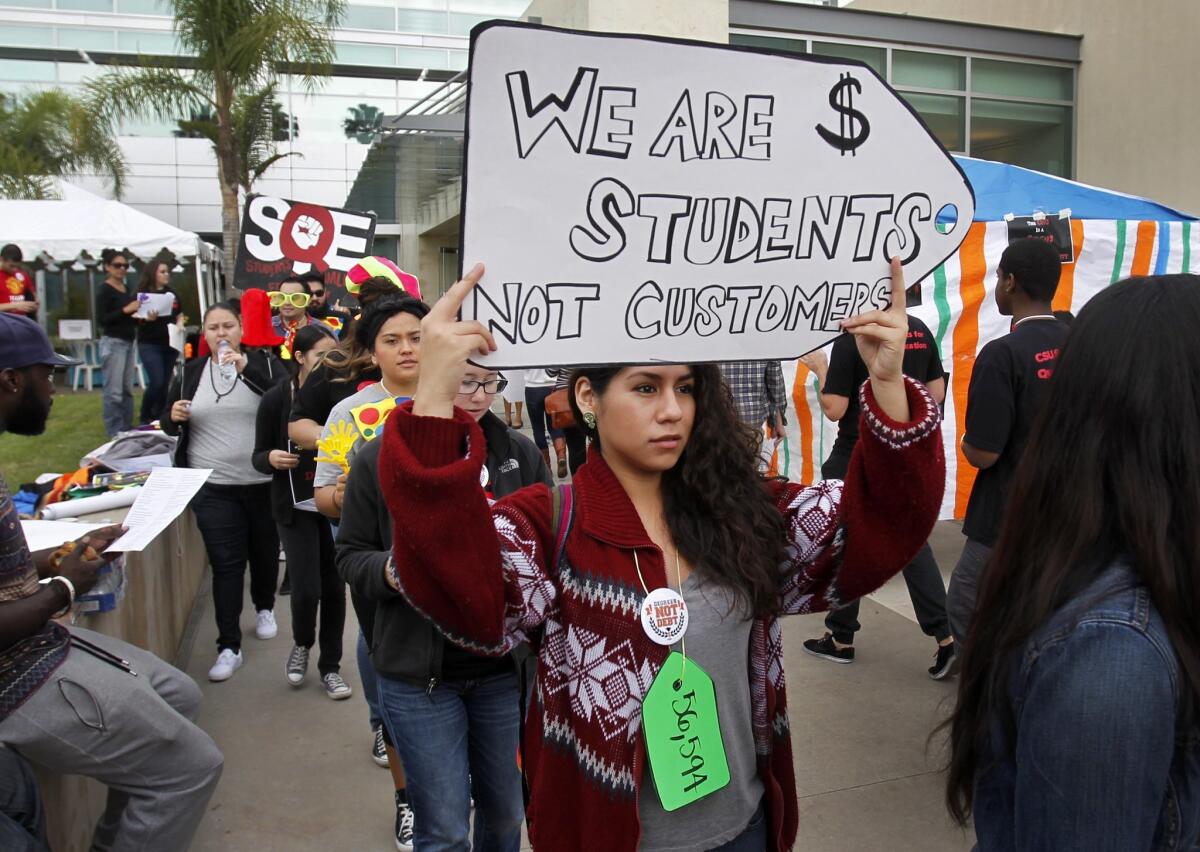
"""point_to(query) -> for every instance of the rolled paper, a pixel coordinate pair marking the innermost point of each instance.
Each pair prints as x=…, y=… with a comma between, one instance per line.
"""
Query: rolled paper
x=87, y=505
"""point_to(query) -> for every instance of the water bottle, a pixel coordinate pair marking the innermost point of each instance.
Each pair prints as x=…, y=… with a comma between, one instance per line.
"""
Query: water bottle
x=228, y=368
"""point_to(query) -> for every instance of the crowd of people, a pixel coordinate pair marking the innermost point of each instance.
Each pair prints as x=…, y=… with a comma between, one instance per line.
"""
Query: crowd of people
x=579, y=633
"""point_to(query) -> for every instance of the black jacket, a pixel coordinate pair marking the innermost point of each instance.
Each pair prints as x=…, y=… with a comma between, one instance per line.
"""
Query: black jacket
x=263, y=371
x=270, y=433
x=404, y=644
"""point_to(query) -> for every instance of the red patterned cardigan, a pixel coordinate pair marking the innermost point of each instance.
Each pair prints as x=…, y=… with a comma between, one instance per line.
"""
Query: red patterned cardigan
x=481, y=575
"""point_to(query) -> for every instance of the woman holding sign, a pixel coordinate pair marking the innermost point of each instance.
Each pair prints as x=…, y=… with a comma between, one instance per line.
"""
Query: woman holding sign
x=652, y=589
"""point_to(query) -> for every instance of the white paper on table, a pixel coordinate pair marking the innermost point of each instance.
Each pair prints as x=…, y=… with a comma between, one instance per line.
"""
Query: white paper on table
x=41, y=535
x=163, y=498
x=160, y=303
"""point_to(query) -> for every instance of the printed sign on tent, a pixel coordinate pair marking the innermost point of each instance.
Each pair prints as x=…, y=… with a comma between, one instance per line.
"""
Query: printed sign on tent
x=1055, y=230
x=280, y=237
x=641, y=199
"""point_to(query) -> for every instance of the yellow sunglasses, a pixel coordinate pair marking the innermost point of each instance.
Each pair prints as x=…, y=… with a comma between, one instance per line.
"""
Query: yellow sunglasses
x=298, y=300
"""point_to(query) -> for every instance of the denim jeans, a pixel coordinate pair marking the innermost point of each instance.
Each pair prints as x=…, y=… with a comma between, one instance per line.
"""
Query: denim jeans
x=370, y=681
x=535, y=401
x=236, y=525
x=457, y=740
x=22, y=820
x=116, y=359
x=158, y=362
x=753, y=839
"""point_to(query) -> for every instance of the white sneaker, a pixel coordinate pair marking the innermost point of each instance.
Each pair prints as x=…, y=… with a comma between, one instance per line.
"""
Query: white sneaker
x=227, y=663
x=335, y=687
x=264, y=624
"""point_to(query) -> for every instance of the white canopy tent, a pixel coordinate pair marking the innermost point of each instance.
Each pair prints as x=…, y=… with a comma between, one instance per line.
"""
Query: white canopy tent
x=81, y=222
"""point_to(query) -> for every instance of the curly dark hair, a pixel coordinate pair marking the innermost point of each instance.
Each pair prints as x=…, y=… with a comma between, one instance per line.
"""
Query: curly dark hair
x=720, y=515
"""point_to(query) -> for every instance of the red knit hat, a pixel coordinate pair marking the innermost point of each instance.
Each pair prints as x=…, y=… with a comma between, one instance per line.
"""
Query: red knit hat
x=256, y=319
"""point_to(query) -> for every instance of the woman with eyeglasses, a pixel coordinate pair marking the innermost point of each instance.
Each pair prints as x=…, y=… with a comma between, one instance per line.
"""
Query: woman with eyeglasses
x=116, y=304
x=154, y=341
x=213, y=409
x=305, y=533
x=291, y=301
x=454, y=714
x=653, y=587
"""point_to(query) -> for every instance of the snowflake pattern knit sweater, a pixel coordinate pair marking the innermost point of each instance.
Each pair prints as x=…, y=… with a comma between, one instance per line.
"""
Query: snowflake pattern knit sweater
x=482, y=575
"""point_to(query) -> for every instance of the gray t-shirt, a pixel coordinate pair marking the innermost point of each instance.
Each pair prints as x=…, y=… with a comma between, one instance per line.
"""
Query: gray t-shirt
x=221, y=430
x=327, y=472
x=718, y=640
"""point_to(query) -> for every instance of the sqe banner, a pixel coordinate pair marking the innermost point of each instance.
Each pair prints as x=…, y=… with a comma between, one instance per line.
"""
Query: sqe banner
x=639, y=199
x=280, y=237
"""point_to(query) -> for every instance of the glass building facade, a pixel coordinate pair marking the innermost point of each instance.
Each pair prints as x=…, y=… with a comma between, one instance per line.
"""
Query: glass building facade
x=1009, y=109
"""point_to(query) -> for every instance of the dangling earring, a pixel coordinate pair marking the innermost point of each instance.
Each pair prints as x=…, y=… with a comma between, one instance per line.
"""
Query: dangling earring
x=589, y=420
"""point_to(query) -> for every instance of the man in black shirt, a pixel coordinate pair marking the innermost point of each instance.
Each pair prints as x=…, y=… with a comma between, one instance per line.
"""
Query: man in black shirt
x=1007, y=386
x=840, y=378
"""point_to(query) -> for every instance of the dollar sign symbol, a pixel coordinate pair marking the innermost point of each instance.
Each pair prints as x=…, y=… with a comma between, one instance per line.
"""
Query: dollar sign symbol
x=841, y=98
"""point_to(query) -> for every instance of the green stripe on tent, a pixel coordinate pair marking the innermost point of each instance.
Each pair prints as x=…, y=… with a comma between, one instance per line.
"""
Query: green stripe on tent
x=819, y=427
x=943, y=305
x=1119, y=260
x=1187, y=246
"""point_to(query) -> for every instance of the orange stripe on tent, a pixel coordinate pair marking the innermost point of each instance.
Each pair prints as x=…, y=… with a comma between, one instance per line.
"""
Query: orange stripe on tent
x=805, y=421
x=966, y=340
x=1143, y=248
x=1066, y=282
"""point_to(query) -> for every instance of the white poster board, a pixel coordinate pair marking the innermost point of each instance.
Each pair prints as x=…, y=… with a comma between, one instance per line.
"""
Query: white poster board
x=640, y=199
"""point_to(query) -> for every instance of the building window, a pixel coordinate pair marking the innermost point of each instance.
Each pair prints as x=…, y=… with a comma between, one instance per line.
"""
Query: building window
x=1011, y=111
x=369, y=18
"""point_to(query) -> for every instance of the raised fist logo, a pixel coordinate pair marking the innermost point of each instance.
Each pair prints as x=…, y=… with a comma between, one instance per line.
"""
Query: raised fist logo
x=306, y=232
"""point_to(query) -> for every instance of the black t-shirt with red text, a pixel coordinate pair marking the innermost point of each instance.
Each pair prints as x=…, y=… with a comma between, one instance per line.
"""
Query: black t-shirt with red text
x=1008, y=385
x=847, y=372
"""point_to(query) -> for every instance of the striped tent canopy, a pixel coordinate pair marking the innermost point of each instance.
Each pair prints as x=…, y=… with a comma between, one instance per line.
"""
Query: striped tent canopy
x=1114, y=235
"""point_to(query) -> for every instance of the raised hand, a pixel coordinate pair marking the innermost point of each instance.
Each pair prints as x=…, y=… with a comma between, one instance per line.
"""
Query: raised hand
x=446, y=344
x=880, y=336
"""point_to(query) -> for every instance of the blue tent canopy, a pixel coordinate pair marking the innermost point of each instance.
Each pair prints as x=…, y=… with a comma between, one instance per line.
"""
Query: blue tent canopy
x=1001, y=189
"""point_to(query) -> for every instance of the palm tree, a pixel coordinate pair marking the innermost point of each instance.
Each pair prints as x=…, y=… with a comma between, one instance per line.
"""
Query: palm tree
x=363, y=122
x=258, y=123
x=233, y=47
x=49, y=134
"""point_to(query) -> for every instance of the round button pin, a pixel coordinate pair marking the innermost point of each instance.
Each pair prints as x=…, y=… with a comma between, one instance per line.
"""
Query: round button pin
x=664, y=616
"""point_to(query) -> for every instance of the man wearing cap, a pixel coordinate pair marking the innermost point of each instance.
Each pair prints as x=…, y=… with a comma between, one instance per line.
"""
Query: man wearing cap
x=74, y=701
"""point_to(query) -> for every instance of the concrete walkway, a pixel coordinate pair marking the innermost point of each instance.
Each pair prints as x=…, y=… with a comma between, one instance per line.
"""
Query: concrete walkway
x=298, y=775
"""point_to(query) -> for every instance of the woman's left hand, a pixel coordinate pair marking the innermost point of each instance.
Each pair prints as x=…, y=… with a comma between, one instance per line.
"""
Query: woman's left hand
x=881, y=336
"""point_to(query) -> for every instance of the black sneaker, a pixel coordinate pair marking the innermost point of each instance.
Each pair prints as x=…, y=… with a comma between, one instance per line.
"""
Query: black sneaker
x=404, y=825
x=945, y=663
x=378, y=750
x=826, y=650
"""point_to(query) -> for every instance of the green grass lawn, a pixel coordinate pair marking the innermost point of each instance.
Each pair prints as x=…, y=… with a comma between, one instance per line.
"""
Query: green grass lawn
x=75, y=427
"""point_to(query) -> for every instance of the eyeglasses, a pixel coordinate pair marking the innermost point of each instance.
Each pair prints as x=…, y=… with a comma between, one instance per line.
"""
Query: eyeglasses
x=316, y=294
x=298, y=300
x=119, y=265
x=469, y=386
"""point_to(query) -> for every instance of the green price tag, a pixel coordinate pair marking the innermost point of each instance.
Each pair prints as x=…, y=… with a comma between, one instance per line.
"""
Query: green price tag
x=683, y=734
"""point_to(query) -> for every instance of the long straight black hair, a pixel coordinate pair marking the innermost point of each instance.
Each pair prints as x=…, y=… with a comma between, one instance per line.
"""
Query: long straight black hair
x=721, y=516
x=1112, y=469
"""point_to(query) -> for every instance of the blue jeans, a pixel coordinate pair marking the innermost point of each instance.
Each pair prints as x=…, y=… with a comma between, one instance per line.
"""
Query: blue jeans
x=753, y=839
x=459, y=740
x=158, y=361
x=22, y=820
x=370, y=681
x=116, y=359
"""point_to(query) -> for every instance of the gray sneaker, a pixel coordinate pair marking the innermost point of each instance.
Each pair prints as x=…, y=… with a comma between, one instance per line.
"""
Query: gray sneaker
x=297, y=665
x=335, y=687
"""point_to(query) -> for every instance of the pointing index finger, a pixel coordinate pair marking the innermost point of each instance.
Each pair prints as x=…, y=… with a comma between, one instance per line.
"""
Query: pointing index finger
x=449, y=305
x=898, y=296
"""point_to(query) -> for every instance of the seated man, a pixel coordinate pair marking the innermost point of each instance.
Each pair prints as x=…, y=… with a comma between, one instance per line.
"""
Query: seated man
x=74, y=701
